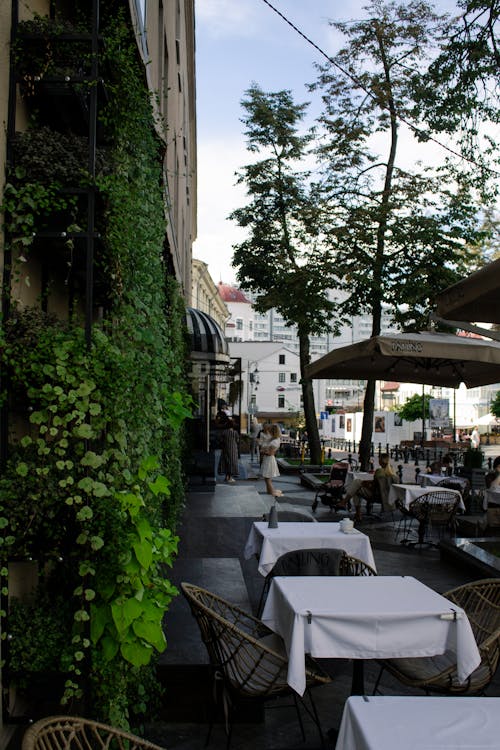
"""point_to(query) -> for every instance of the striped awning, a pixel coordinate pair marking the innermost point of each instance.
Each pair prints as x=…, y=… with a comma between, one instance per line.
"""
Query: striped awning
x=208, y=343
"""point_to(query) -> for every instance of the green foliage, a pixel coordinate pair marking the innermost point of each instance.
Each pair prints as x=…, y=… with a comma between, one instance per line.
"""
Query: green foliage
x=495, y=405
x=414, y=408
x=459, y=89
x=284, y=259
x=38, y=641
x=81, y=486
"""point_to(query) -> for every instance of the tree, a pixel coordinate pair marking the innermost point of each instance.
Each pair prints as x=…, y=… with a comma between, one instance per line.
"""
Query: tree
x=495, y=405
x=283, y=258
x=415, y=408
x=400, y=236
x=461, y=84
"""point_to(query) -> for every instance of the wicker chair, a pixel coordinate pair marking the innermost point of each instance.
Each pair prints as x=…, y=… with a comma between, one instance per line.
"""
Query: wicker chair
x=322, y=561
x=247, y=658
x=405, y=523
x=434, y=510
x=437, y=674
x=75, y=733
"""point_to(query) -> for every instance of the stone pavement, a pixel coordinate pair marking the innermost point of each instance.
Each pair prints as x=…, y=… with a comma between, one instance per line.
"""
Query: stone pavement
x=213, y=532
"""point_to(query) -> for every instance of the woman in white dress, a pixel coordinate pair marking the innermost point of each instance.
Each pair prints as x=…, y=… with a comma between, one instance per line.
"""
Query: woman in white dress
x=269, y=444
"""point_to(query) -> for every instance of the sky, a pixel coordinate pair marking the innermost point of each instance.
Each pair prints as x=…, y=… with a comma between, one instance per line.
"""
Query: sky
x=239, y=42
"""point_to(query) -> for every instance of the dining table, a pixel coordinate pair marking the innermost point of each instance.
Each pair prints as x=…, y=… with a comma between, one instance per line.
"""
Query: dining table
x=365, y=476
x=361, y=617
x=393, y=722
x=431, y=480
x=409, y=492
x=270, y=543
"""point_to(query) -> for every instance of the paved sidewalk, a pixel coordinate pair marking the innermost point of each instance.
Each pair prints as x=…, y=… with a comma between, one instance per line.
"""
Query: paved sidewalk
x=213, y=533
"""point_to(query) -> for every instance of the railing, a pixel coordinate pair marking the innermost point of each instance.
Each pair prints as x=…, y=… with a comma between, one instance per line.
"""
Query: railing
x=421, y=456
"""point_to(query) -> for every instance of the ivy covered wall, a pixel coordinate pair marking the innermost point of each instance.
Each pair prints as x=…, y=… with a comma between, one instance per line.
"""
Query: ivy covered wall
x=93, y=486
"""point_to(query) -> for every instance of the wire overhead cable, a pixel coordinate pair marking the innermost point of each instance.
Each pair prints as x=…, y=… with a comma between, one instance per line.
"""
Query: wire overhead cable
x=425, y=135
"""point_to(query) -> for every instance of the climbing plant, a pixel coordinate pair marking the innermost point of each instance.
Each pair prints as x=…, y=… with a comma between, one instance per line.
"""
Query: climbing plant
x=94, y=486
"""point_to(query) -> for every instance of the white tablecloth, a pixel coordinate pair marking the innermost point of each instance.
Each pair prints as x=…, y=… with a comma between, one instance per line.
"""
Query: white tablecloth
x=420, y=723
x=272, y=543
x=365, y=476
x=408, y=492
x=427, y=480
x=374, y=617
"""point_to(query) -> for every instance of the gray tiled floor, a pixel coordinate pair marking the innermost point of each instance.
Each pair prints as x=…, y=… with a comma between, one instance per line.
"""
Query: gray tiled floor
x=213, y=534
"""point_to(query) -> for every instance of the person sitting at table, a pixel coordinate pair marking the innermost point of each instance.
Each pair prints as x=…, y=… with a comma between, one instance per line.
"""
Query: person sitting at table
x=442, y=465
x=359, y=489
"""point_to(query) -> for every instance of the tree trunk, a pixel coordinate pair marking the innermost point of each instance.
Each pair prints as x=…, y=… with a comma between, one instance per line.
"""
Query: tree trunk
x=379, y=260
x=367, y=429
x=308, y=398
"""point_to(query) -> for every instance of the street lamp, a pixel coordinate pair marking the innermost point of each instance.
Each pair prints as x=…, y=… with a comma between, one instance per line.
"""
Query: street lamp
x=253, y=385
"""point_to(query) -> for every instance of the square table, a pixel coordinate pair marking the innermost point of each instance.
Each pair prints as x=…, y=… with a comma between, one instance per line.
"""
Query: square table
x=426, y=480
x=409, y=492
x=375, y=617
x=270, y=544
x=419, y=723
x=365, y=476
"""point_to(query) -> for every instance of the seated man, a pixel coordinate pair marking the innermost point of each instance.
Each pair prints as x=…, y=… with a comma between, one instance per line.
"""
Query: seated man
x=361, y=490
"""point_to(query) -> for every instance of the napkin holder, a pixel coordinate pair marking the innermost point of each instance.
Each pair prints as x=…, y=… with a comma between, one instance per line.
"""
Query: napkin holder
x=273, y=517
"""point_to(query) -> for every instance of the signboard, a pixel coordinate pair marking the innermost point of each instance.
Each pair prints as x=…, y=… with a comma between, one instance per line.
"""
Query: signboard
x=323, y=415
x=439, y=412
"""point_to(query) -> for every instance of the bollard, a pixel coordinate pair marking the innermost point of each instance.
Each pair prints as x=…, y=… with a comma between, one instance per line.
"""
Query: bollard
x=400, y=473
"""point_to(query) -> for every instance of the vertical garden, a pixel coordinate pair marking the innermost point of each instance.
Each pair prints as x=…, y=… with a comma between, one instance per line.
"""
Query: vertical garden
x=93, y=483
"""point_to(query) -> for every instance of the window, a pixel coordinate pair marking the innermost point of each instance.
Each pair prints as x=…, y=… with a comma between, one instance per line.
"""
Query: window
x=281, y=359
x=281, y=402
x=239, y=324
x=282, y=377
x=293, y=377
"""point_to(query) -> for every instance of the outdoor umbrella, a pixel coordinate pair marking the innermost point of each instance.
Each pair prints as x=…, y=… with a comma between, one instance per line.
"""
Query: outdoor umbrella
x=474, y=298
x=432, y=358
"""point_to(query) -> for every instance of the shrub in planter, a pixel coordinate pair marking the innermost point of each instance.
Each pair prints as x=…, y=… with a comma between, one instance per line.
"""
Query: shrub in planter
x=473, y=458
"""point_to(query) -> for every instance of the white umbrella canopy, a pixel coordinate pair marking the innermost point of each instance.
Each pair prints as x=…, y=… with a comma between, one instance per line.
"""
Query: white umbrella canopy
x=486, y=420
x=432, y=358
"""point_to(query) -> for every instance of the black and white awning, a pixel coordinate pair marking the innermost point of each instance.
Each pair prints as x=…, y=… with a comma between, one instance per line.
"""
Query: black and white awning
x=208, y=343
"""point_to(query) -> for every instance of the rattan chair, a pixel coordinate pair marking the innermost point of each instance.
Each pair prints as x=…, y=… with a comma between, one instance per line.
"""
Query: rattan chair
x=438, y=674
x=435, y=511
x=322, y=561
x=247, y=658
x=75, y=733
x=405, y=523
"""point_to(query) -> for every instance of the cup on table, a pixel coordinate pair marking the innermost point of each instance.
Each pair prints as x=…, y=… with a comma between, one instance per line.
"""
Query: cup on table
x=346, y=525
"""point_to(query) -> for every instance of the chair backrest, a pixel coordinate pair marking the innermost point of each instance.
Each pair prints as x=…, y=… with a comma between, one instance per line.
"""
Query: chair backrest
x=75, y=733
x=449, y=484
x=481, y=602
x=437, y=505
x=478, y=479
x=308, y=562
x=352, y=566
x=251, y=665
